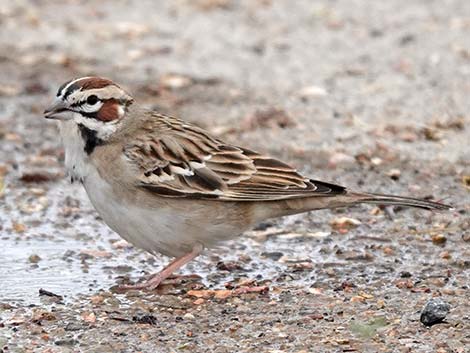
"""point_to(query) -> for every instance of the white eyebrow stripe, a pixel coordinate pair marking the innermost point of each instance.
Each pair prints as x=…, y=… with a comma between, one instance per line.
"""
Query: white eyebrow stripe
x=104, y=93
x=70, y=84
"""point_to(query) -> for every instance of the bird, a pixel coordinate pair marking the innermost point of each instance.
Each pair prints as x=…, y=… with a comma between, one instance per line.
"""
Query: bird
x=168, y=186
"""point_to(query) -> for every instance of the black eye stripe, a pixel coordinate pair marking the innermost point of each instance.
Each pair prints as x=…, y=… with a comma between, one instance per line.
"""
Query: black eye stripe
x=89, y=115
x=80, y=103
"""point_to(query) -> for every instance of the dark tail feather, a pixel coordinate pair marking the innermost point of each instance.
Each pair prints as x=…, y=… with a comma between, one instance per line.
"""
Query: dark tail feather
x=401, y=201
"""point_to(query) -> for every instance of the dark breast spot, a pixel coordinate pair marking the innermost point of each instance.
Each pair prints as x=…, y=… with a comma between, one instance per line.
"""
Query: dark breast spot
x=90, y=138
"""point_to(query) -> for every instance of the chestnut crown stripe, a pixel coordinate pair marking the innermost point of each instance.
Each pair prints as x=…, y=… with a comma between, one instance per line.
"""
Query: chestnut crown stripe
x=84, y=83
x=95, y=82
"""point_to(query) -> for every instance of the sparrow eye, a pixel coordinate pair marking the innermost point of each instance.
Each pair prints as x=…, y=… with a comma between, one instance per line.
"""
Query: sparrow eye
x=92, y=100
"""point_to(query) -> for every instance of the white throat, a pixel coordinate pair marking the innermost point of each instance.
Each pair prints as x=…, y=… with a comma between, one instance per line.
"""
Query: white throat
x=77, y=162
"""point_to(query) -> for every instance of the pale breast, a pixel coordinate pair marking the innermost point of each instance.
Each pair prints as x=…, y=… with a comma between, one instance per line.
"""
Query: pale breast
x=170, y=227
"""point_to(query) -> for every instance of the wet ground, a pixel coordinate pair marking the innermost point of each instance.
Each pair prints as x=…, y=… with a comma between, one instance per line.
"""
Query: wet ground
x=372, y=95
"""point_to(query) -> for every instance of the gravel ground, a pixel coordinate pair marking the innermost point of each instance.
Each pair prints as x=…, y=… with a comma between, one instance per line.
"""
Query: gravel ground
x=368, y=94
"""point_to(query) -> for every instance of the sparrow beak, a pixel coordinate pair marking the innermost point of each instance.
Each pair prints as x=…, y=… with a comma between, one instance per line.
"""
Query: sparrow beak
x=58, y=111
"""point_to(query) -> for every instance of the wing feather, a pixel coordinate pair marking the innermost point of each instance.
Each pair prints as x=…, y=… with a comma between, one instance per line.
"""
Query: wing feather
x=176, y=159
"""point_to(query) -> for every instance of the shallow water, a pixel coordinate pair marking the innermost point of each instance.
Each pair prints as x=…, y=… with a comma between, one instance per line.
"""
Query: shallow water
x=59, y=241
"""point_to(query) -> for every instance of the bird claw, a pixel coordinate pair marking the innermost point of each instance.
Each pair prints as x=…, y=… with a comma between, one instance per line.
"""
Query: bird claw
x=154, y=281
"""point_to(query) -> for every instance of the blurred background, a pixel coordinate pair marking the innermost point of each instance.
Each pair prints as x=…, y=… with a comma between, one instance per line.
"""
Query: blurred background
x=369, y=94
x=329, y=65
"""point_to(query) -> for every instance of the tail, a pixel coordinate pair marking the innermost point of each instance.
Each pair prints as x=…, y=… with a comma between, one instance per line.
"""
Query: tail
x=399, y=201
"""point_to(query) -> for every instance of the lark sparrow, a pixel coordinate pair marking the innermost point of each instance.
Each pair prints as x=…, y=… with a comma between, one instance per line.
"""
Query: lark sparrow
x=169, y=187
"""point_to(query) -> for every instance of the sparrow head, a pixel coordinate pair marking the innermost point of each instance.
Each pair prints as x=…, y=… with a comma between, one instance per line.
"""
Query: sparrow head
x=93, y=102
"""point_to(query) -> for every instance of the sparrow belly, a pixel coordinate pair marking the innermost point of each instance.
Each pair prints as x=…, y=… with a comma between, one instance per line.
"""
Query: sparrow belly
x=167, y=226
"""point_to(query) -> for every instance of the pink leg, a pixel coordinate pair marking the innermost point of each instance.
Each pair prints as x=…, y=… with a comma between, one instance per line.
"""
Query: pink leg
x=174, y=265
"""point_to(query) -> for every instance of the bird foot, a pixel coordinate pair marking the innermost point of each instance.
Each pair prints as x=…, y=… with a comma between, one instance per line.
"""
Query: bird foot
x=155, y=280
x=150, y=284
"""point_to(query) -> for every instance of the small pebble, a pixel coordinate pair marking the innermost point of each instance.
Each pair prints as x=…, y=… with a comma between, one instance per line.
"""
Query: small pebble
x=344, y=223
x=405, y=274
x=466, y=181
x=18, y=227
x=145, y=319
x=68, y=341
x=394, y=174
x=376, y=161
x=188, y=316
x=198, y=301
x=46, y=293
x=274, y=255
x=445, y=255
x=439, y=239
x=434, y=312
x=312, y=91
x=34, y=259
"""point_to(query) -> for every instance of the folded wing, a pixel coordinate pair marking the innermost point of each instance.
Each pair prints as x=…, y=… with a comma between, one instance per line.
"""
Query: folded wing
x=179, y=160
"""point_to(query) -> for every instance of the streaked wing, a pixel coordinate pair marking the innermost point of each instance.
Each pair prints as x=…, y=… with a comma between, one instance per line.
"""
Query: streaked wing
x=176, y=159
